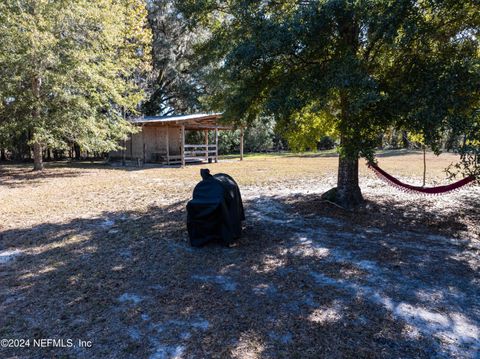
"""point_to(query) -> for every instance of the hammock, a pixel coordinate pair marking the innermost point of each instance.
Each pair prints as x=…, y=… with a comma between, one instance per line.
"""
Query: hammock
x=416, y=189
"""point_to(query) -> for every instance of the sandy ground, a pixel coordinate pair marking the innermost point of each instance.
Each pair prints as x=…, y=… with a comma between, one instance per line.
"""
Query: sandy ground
x=101, y=254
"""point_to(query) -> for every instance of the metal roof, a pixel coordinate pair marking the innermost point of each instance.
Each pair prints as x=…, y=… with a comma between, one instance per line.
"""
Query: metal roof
x=176, y=118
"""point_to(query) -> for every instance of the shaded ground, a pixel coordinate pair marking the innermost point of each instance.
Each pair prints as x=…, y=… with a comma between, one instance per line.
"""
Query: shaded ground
x=101, y=254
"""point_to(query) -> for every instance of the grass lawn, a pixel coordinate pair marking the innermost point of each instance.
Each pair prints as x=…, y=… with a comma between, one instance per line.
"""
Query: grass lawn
x=100, y=253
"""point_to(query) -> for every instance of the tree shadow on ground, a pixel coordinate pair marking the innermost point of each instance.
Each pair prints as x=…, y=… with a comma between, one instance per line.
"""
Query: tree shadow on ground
x=14, y=174
x=386, y=212
x=293, y=286
x=332, y=154
x=397, y=152
x=17, y=175
x=14, y=177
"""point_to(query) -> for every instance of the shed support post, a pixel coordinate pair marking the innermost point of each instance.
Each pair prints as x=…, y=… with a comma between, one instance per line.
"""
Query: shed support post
x=131, y=146
x=216, y=144
x=144, y=147
x=168, y=147
x=182, y=148
x=241, y=143
x=124, y=151
x=206, y=145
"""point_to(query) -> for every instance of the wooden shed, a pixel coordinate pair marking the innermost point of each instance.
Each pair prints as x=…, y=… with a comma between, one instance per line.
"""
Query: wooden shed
x=162, y=139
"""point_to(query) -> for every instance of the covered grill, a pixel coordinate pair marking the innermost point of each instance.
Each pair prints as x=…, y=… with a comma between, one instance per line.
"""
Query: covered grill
x=216, y=210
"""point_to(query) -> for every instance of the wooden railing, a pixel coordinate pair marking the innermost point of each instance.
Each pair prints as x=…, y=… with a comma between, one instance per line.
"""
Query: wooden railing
x=205, y=150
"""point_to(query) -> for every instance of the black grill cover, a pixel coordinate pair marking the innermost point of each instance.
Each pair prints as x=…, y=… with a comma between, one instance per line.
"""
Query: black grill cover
x=216, y=210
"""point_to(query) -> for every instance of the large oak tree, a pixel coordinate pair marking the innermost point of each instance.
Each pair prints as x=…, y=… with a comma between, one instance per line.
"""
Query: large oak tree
x=71, y=70
x=350, y=67
x=174, y=87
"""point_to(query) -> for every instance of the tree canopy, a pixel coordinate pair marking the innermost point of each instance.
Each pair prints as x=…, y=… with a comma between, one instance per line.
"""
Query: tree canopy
x=174, y=84
x=349, y=68
x=71, y=70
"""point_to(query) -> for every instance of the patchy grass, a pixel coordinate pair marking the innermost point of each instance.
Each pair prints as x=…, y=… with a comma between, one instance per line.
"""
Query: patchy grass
x=100, y=253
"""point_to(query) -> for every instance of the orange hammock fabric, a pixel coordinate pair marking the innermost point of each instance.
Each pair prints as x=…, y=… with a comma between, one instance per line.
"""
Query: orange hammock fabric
x=416, y=189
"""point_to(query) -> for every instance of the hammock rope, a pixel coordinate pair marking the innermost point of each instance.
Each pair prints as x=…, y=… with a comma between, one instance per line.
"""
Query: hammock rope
x=417, y=189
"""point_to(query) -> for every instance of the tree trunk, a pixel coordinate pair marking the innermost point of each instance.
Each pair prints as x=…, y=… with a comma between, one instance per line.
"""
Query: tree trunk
x=37, y=146
x=78, y=154
x=37, y=157
x=394, y=141
x=424, y=165
x=348, y=192
x=406, y=142
x=3, y=156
